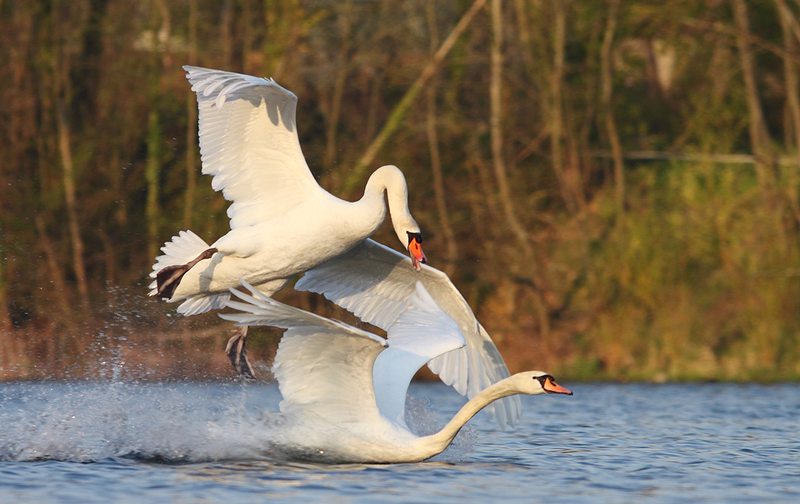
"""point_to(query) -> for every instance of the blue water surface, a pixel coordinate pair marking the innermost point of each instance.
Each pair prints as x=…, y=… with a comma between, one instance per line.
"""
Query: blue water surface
x=206, y=442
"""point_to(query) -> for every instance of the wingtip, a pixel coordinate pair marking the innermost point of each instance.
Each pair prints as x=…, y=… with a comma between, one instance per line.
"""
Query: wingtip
x=237, y=318
x=191, y=69
x=247, y=285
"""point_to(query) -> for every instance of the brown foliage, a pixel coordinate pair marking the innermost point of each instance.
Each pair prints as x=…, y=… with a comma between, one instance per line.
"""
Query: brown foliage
x=521, y=127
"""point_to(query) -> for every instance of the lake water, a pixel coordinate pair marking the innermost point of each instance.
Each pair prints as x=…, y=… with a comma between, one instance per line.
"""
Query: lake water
x=203, y=442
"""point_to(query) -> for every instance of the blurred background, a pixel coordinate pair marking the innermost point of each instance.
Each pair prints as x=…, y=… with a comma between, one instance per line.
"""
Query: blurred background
x=613, y=185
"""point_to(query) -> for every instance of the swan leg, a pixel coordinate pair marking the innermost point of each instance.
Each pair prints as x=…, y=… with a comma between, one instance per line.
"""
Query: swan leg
x=169, y=278
x=237, y=353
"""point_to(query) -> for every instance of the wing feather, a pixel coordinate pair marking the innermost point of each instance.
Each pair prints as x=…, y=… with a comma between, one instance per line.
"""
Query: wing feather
x=249, y=144
x=327, y=373
x=257, y=308
x=321, y=363
x=420, y=332
x=373, y=281
x=323, y=366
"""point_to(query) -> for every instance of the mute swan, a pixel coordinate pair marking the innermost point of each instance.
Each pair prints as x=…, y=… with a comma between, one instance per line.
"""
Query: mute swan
x=374, y=282
x=282, y=222
x=344, y=388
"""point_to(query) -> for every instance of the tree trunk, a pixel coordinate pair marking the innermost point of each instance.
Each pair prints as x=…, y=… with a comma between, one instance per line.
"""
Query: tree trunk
x=342, y=66
x=483, y=208
x=556, y=116
x=489, y=197
x=55, y=275
x=153, y=161
x=226, y=33
x=759, y=137
x=5, y=318
x=436, y=162
x=496, y=128
x=607, y=108
x=68, y=172
x=788, y=23
x=152, y=173
x=524, y=33
x=110, y=257
x=191, y=126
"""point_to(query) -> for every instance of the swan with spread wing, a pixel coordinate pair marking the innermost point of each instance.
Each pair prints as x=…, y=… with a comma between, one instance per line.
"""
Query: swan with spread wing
x=281, y=221
x=374, y=282
x=344, y=389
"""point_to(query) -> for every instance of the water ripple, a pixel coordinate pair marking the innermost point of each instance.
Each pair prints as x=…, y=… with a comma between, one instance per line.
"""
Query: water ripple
x=128, y=442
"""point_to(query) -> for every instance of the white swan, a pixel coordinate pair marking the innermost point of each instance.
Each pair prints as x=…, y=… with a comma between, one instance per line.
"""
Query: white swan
x=282, y=222
x=344, y=389
x=375, y=282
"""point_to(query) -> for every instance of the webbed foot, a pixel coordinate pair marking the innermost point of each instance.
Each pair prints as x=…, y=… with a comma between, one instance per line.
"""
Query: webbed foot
x=237, y=353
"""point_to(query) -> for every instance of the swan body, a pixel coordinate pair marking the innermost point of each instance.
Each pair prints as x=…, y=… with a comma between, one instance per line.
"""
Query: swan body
x=344, y=388
x=375, y=282
x=281, y=221
x=375, y=439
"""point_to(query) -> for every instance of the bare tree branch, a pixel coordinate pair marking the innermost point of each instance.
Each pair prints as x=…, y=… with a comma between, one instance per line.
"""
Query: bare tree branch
x=496, y=128
x=399, y=111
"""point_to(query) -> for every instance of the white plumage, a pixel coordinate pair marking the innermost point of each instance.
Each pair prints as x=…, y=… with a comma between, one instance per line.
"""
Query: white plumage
x=344, y=388
x=281, y=221
x=375, y=283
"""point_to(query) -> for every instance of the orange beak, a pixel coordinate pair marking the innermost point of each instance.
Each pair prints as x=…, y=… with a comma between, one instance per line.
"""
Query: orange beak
x=551, y=387
x=417, y=255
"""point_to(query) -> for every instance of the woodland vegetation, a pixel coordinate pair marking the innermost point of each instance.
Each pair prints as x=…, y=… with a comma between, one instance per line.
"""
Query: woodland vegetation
x=613, y=185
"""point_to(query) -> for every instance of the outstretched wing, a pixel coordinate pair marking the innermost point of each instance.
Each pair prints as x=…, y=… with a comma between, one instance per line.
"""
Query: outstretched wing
x=342, y=372
x=322, y=365
x=421, y=331
x=374, y=282
x=249, y=144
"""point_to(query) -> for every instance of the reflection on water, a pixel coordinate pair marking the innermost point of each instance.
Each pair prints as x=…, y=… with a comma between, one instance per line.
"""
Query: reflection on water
x=63, y=442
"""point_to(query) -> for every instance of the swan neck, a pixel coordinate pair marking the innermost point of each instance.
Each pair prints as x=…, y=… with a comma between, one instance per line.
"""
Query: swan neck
x=444, y=437
x=390, y=179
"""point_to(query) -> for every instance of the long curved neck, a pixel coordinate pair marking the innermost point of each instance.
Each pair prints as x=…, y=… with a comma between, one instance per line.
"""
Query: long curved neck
x=388, y=179
x=442, y=439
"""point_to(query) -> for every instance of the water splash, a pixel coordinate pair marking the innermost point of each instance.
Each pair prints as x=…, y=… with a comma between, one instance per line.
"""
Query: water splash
x=423, y=419
x=173, y=422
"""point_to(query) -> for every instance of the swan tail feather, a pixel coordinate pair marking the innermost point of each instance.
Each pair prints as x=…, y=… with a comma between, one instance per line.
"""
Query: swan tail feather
x=202, y=303
x=168, y=267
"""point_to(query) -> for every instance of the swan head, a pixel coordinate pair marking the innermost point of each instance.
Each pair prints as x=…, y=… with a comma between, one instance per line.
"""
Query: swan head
x=405, y=227
x=537, y=382
x=414, y=247
x=410, y=236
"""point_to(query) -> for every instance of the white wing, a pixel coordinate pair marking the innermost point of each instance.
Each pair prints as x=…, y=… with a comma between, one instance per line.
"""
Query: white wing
x=339, y=371
x=374, y=282
x=249, y=144
x=327, y=373
x=260, y=309
x=322, y=366
x=419, y=333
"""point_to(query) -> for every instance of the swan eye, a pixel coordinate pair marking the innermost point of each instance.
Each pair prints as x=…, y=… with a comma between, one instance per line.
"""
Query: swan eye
x=414, y=236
